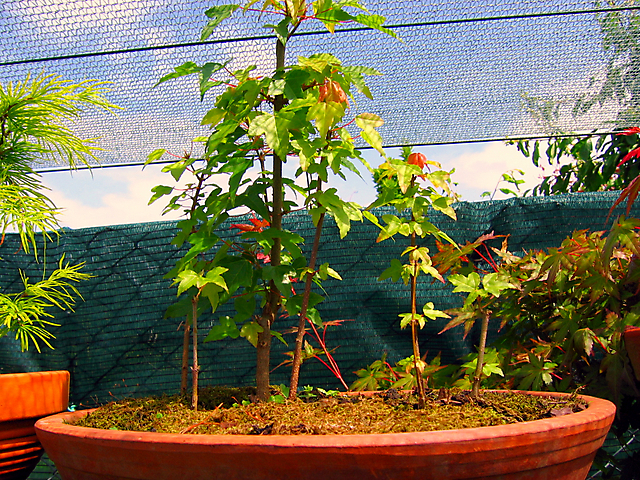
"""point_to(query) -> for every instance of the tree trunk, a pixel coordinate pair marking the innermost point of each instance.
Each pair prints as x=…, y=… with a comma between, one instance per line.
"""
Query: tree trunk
x=196, y=367
x=302, y=321
x=414, y=331
x=270, y=311
x=484, y=328
x=184, y=383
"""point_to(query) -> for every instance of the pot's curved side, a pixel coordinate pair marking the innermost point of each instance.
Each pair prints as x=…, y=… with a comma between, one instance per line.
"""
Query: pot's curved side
x=560, y=448
x=632, y=344
x=25, y=398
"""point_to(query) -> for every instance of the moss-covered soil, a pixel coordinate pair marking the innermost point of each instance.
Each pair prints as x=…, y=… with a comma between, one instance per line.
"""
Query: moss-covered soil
x=221, y=411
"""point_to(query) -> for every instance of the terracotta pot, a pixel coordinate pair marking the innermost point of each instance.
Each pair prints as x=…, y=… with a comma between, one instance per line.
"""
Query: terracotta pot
x=559, y=448
x=632, y=344
x=25, y=398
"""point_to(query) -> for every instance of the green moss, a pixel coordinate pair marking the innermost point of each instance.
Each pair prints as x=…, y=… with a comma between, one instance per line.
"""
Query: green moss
x=382, y=413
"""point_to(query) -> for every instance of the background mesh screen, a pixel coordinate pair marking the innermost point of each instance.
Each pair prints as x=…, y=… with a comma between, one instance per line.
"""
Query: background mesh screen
x=462, y=72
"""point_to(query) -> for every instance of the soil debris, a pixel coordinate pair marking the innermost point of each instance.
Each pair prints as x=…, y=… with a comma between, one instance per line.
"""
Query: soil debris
x=225, y=410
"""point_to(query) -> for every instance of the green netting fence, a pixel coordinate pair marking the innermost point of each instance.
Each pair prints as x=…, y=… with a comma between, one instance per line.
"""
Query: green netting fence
x=118, y=344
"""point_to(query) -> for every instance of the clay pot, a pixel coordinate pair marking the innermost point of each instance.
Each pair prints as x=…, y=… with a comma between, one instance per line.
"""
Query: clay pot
x=25, y=398
x=559, y=448
x=632, y=344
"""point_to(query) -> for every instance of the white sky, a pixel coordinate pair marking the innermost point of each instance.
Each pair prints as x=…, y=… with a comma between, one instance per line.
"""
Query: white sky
x=111, y=196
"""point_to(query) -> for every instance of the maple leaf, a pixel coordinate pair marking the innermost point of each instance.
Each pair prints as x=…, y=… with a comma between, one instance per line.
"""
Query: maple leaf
x=257, y=225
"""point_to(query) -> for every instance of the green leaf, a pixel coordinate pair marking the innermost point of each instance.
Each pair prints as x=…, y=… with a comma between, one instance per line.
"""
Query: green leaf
x=393, y=225
x=226, y=328
x=279, y=336
x=583, y=341
x=326, y=115
x=275, y=133
x=215, y=277
x=495, y=284
x=159, y=191
x=431, y=313
x=330, y=14
x=281, y=276
x=245, y=306
x=176, y=169
x=207, y=70
x=294, y=303
x=394, y=271
x=250, y=331
x=326, y=271
x=213, y=117
x=342, y=212
x=375, y=22
x=239, y=274
x=186, y=68
x=282, y=30
x=155, y=155
x=186, y=279
x=211, y=292
x=217, y=14
x=463, y=283
x=368, y=122
x=407, y=318
x=319, y=61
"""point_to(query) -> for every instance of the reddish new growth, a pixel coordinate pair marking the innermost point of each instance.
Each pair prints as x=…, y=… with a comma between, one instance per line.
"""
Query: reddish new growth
x=635, y=153
x=331, y=91
x=418, y=159
x=258, y=225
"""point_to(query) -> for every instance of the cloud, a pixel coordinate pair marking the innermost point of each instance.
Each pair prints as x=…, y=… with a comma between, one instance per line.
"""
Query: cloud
x=120, y=195
x=480, y=167
x=112, y=196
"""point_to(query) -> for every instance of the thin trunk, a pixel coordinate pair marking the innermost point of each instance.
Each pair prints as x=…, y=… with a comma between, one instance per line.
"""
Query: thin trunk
x=184, y=383
x=270, y=312
x=414, y=331
x=484, y=327
x=196, y=367
x=302, y=321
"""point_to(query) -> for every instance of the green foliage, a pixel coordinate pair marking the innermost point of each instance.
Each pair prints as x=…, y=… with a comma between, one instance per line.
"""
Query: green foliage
x=24, y=313
x=404, y=184
x=300, y=113
x=380, y=375
x=491, y=366
x=593, y=163
x=562, y=312
x=584, y=164
x=33, y=128
x=34, y=118
x=510, y=178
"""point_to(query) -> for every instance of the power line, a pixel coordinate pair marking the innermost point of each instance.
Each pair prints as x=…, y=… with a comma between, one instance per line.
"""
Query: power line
x=324, y=32
x=435, y=144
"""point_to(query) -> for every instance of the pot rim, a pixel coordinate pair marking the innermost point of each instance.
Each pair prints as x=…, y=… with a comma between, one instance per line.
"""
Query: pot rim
x=33, y=395
x=600, y=412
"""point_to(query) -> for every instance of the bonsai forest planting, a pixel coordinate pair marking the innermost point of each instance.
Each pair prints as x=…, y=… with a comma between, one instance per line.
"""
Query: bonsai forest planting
x=273, y=140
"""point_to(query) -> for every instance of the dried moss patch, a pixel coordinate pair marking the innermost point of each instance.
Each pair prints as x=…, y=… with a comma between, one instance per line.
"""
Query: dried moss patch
x=222, y=412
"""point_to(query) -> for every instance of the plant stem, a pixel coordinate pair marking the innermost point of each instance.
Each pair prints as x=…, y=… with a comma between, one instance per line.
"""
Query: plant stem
x=185, y=358
x=302, y=320
x=270, y=311
x=484, y=328
x=196, y=367
x=414, y=329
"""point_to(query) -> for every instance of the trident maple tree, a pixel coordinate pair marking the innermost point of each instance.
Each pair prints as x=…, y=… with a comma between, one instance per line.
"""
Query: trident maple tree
x=298, y=113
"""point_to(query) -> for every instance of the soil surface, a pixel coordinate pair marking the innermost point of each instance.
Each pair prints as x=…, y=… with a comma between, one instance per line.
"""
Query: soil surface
x=225, y=410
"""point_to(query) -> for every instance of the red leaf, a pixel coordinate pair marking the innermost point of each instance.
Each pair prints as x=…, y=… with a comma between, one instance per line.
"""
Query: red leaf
x=418, y=159
x=632, y=154
x=258, y=225
x=630, y=131
x=630, y=193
